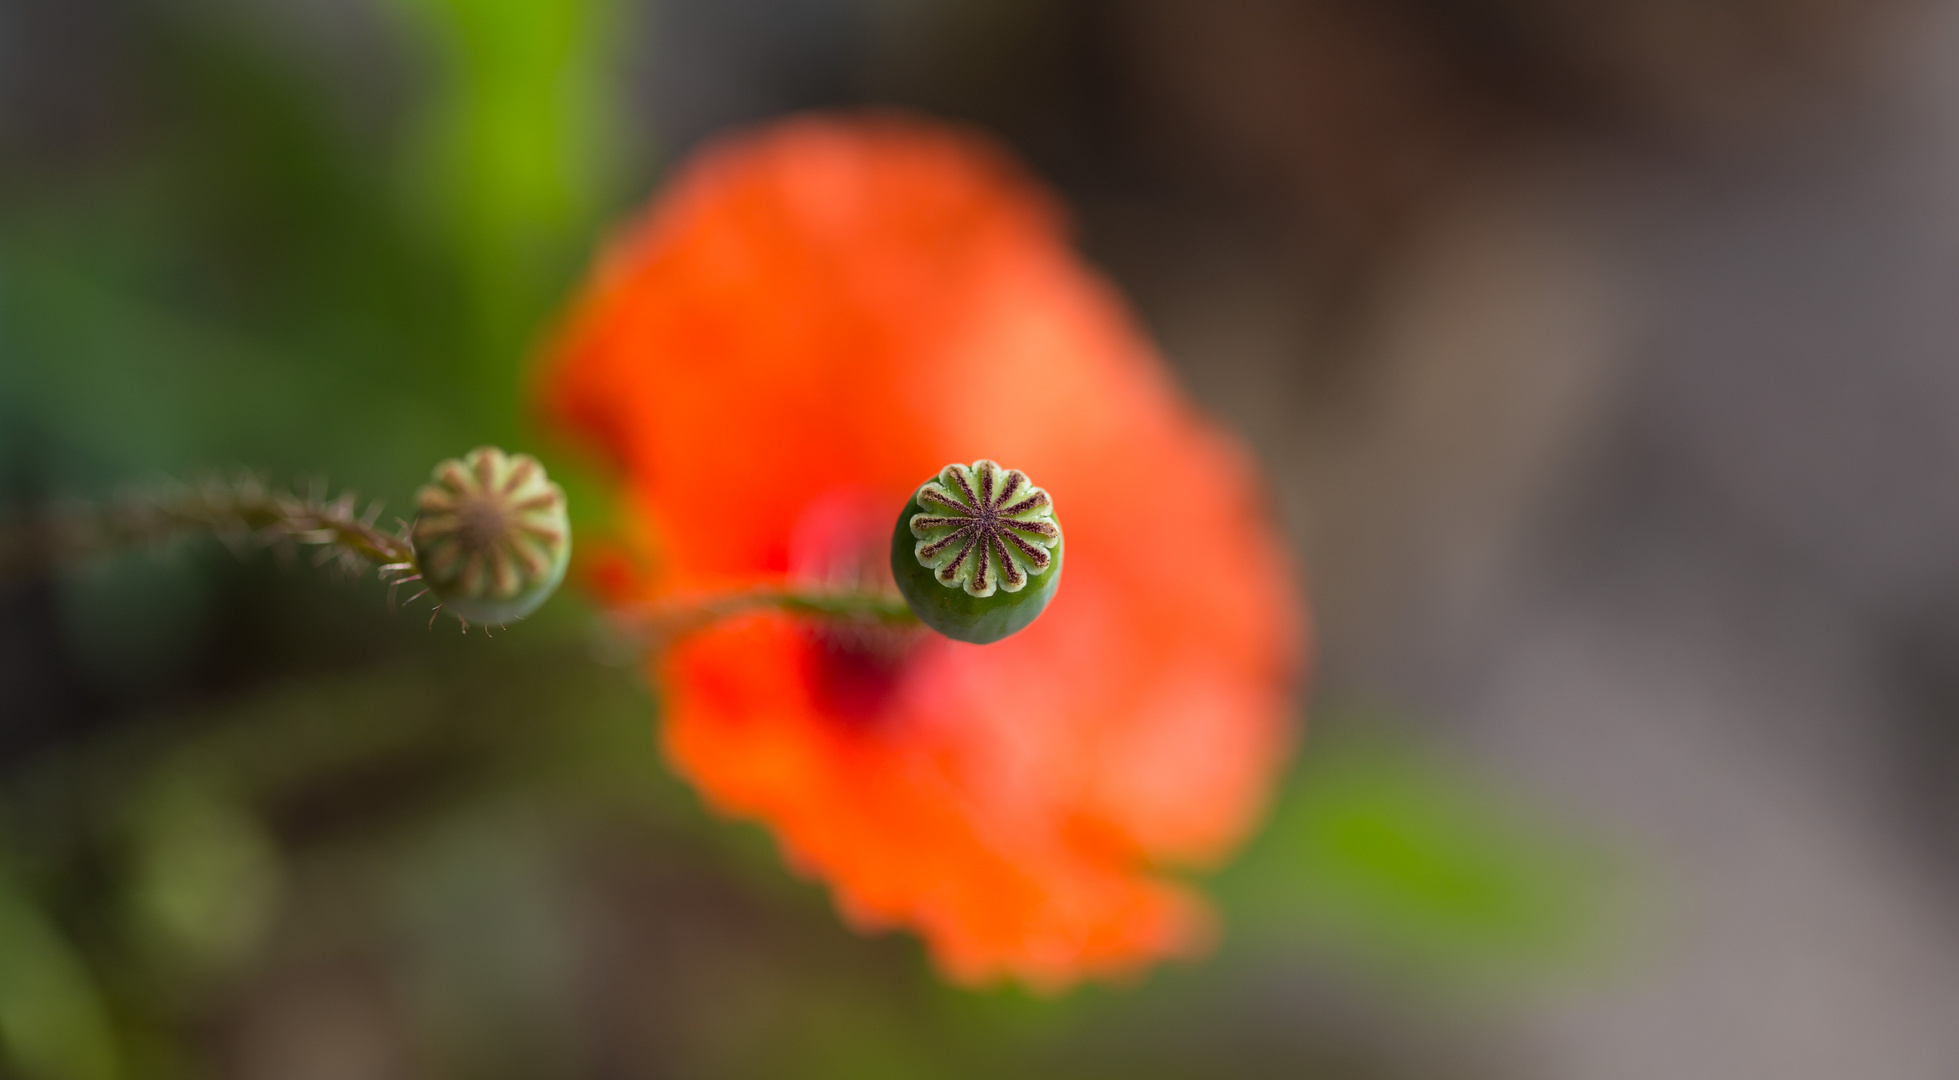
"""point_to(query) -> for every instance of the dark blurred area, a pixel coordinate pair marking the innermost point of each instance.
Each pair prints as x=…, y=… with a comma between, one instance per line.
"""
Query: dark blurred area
x=1601, y=357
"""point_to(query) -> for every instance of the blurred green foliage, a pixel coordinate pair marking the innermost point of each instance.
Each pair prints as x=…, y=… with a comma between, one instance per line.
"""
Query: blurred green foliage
x=1389, y=856
x=514, y=143
x=294, y=829
x=52, y=1023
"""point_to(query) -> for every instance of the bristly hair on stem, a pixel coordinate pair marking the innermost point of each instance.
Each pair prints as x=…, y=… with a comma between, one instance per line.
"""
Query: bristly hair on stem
x=241, y=512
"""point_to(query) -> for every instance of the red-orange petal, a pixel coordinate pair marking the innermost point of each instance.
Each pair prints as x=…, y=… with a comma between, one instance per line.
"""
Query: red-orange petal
x=861, y=300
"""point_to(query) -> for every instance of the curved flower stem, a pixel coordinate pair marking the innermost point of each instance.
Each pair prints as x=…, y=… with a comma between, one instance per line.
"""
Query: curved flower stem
x=889, y=607
x=235, y=512
x=659, y=623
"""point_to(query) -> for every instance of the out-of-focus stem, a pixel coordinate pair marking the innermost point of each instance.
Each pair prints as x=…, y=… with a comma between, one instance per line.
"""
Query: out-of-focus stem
x=889, y=607
x=660, y=622
x=245, y=511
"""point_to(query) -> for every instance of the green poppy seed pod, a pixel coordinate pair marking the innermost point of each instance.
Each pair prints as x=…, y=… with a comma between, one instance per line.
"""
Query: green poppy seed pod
x=977, y=552
x=492, y=538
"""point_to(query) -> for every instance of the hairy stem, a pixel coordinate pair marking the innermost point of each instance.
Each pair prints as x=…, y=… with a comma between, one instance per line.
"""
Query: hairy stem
x=244, y=511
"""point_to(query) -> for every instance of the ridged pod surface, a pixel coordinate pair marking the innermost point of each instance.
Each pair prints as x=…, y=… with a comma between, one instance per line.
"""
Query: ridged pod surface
x=977, y=552
x=492, y=537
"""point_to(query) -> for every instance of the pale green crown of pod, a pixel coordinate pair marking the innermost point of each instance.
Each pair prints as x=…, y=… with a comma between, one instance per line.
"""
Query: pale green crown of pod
x=984, y=528
x=492, y=536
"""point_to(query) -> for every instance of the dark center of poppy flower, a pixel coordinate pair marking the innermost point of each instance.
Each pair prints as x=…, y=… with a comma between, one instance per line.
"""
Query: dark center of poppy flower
x=857, y=667
x=985, y=528
x=857, y=664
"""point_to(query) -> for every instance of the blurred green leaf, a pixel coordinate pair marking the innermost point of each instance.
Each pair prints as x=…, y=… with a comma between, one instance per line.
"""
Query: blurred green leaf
x=52, y=1023
x=207, y=878
x=1386, y=852
x=514, y=150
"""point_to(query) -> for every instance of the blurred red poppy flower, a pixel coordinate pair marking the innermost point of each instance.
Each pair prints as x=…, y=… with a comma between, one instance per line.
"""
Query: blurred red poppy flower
x=812, y=321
